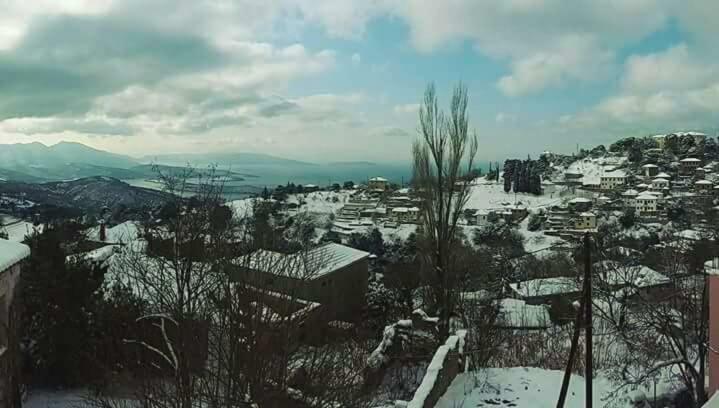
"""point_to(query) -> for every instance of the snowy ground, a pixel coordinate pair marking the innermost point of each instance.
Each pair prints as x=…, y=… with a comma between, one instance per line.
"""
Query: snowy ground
x=536, y=240
x=16, y=228
x=491, y=196
x=523, y=387
x=592, y=169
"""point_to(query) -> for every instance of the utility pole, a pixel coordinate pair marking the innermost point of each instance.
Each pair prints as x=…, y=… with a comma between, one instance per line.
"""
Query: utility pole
x=584, y=316
x=588, y=320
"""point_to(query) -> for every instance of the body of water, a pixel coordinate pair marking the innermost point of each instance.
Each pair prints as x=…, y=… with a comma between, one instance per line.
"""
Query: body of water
x=271, y=176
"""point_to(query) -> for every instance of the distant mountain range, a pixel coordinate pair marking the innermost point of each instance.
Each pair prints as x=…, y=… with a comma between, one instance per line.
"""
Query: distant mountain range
x=36, y=162
x=243, y=159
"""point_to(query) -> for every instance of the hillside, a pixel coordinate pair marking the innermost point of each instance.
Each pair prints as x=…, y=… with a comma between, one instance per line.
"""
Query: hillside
x=39, y=155
x=35, y=162
x=90, y=194
x=630, y=153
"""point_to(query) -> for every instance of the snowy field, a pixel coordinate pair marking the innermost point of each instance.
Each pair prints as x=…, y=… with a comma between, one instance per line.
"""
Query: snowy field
x=524, y=387
x=491, y=195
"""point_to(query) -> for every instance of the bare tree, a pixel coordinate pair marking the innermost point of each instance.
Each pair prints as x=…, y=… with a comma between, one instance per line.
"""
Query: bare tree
x=442, y=160
x=227, y=322
x=659, y=323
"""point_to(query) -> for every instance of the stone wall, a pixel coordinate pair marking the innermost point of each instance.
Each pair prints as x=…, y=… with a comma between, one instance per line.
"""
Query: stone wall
x=448, y=361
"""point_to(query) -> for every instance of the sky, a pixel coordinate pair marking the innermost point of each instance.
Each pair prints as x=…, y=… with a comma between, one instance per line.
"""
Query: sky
x=328, y=80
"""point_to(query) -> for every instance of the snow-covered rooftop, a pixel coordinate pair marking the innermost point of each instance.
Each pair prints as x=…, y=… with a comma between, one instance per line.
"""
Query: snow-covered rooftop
x=615, y=174
x=310, y=264
x=647, y=196
x=587, y=214
x=119, y=234
x=689, y=160
x=98, y=255
x=545, y=286
x=703, y=182
x=650, y=166
x=663, y=175
x=630, y=193
x=12, y=253
x=378, y=179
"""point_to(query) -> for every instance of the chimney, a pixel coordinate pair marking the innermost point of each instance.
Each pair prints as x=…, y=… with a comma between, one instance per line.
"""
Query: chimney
x=711, y=268
x=103, y=234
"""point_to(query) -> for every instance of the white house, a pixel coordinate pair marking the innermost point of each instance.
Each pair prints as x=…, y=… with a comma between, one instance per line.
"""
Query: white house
x=659, y=184
x=646, y=204
x=613, y=179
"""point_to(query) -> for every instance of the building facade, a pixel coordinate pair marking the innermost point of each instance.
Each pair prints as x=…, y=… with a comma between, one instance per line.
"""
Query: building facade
x=378, y=184
x=11, y=254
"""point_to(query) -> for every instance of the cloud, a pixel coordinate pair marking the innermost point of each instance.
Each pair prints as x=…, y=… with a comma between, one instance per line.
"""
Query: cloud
x=669, y=89
x=573, y=58
x=409, y=108
x=90, y=126
x=502, y=117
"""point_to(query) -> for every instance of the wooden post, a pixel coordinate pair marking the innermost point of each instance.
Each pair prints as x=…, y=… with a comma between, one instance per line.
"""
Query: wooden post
x=588, y=320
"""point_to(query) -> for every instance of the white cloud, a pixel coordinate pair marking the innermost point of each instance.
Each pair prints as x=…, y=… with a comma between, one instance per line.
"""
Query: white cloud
x=572, y=58
x=672, y=69
x=667, y=89
x=408, y=108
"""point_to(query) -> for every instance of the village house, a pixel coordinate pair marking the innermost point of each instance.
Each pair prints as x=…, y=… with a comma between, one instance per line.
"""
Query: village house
x=332, y=275
x=404, y=215
x=310, y=188
x=567, y=288
x=378, y=184
x=646, y=204
x=354, y=208
x=585, y=220
x=485, y=217
x=660, y=184
x=703, y=186
x=580, y=204
x=613, y=179
x=11, y=254
x=629, y=198
x=603, y=200
x=650, y=170
x=689, y=165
